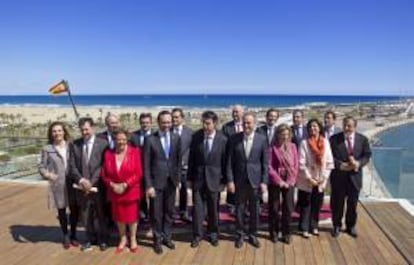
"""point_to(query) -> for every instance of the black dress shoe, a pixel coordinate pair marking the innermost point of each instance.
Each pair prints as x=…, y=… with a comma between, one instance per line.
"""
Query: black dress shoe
x=286, y=239
x=274, y=238
x=158, y=248
x=214, y=242
x=254, y=242
x=352, y=232
x=103, y=246
x=195, y=243
x=336, y=231
x=86, y=247
x=169, y=244
x=239, y=243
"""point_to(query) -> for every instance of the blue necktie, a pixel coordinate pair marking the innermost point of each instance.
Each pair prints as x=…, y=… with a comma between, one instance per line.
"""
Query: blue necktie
x=166, y=145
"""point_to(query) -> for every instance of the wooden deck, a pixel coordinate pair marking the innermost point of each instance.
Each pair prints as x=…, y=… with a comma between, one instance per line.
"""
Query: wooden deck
x=29, y=234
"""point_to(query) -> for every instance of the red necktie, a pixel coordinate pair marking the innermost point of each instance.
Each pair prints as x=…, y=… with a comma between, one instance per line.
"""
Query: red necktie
x=349, y=146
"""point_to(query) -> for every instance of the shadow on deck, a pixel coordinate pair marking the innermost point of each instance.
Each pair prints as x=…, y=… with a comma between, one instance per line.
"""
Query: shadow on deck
x=29, y=234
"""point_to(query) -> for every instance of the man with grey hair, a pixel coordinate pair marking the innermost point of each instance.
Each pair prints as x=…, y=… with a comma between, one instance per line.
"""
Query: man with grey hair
x=247, y=173
x=112, y=124
x=229, y=129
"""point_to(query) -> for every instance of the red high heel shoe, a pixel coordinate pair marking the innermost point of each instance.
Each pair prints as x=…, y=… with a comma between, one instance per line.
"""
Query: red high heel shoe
x=134, y=250
x=119, y=249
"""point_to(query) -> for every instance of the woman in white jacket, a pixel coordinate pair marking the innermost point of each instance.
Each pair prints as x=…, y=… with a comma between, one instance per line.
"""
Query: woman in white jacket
x=315, y=165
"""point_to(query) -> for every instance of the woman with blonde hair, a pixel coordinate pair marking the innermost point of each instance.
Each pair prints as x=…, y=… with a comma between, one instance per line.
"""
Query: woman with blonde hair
x=283, y=171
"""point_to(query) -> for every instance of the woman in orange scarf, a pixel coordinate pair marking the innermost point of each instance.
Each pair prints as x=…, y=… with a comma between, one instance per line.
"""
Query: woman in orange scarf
x=315, y=164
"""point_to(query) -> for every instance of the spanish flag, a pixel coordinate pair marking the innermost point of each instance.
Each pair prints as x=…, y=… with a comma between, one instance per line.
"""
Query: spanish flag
x=59, y=88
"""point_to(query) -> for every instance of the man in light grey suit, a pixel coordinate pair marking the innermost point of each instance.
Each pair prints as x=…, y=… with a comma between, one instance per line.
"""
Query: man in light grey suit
x=85, y=167
x=185, y=134
x=247, y=172
x=330, y=127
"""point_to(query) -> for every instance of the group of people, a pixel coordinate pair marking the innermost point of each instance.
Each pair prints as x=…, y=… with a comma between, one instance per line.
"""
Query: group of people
x=119, y=177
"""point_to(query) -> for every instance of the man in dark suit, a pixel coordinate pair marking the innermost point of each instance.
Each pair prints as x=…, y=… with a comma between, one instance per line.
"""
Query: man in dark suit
x=112, y=124
x=298, y=128
x=247, y=172
x=330, y=128
x=185, y=134
x=206, y=176
x=351, y=153
x=137, y=139
x=85, y=169
x=268, y=130
x=230, y=128
x=162, y=172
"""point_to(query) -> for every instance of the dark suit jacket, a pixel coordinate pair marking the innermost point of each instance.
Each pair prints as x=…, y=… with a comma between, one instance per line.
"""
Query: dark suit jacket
x=135, y=138
x=207, y=170
x=254, y=167
x=186, y=135
x=157, y=168
x=295, y=139
x=228, y=129
x=95, y=161
x=335, y=131
x=263, y=130
x=104, y=136
x=361, y=152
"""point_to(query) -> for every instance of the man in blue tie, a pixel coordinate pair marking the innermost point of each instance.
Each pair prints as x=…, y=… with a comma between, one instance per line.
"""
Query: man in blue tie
x=162, y=173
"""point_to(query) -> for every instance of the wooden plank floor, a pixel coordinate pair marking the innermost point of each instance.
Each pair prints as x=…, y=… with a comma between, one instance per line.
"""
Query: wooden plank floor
x=396, y=223
x=29, y=234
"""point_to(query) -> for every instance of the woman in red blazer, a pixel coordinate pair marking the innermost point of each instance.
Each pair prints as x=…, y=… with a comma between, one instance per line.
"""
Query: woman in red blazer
x=283, y=172
x=122, y=175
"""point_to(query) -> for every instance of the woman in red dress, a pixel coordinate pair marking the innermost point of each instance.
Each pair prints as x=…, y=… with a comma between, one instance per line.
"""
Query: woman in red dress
x=122, y=175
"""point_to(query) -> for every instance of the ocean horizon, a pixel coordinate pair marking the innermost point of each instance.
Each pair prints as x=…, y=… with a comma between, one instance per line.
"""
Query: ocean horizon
x=194, y=101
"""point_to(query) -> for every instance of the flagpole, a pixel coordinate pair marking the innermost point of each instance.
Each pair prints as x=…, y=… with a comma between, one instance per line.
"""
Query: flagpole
x=71, y=101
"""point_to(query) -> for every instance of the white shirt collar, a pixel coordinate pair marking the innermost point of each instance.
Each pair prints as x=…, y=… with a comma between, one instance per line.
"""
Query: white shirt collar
x=249, y=137
x=210, y=136
x=90, y=141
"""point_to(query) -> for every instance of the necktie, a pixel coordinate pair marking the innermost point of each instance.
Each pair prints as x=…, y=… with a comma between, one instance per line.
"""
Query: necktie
x=270, y=134
x=248, y=146
x=85, y=160
x=349, y=146
x=166, y=145
x=207, y=145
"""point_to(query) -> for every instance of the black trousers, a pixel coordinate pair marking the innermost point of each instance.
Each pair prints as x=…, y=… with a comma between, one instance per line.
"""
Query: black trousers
x=287, y=204
x=246, y=195
x=183, y=202
x=143, y=204
x=73, y=220
x=162, y=212
x=344, y=189
x=310, y=204
x=93, y=209
x=209, y=198
x=231, y=198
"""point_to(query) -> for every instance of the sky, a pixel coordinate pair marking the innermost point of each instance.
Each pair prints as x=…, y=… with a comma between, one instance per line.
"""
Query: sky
x=309, y=47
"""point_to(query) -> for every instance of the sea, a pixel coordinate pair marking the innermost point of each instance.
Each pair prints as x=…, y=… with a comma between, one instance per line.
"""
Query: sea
x=192, y=101
x=394, y=161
